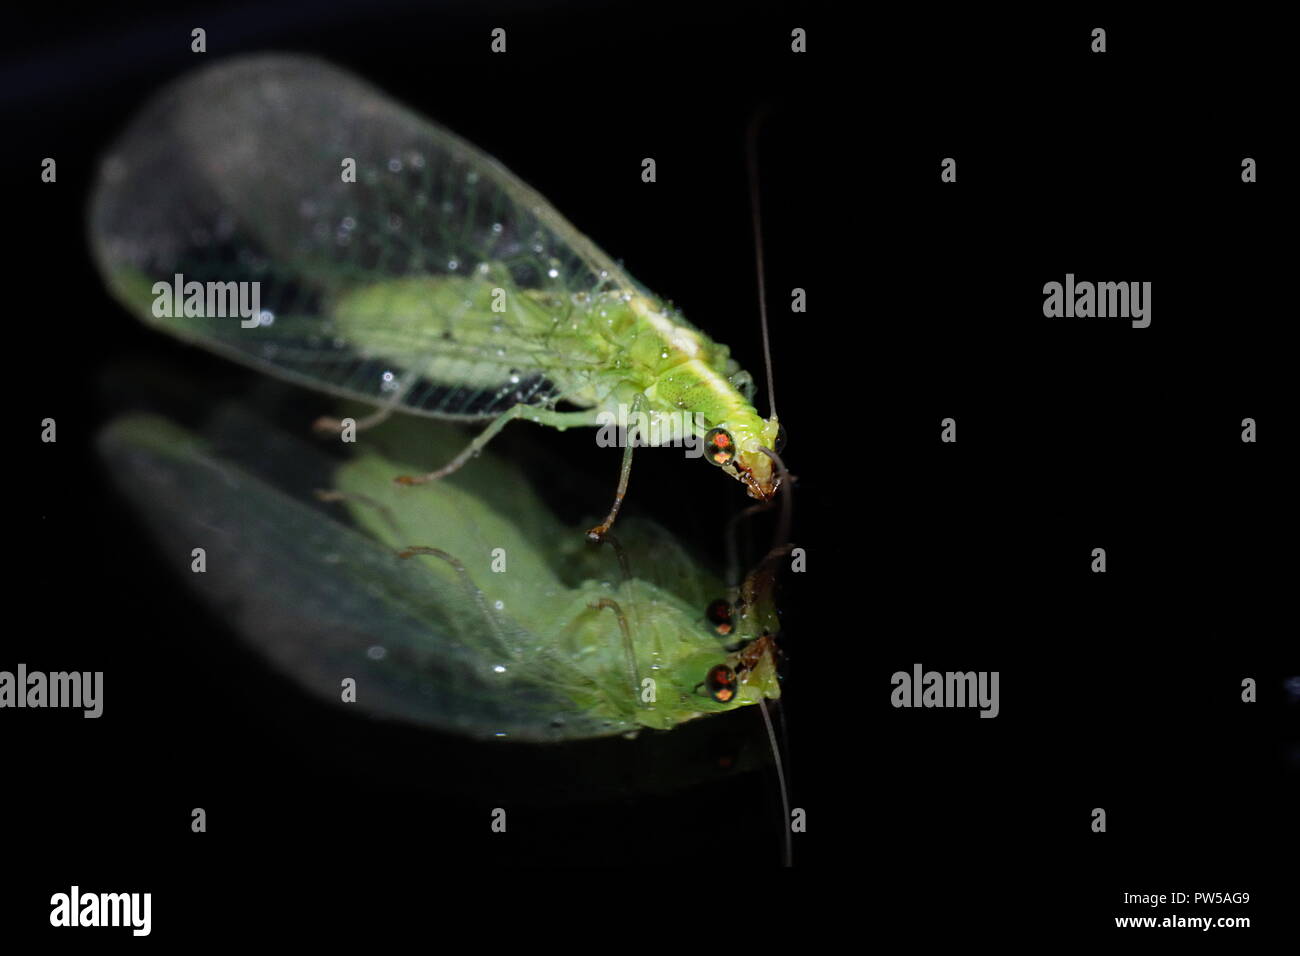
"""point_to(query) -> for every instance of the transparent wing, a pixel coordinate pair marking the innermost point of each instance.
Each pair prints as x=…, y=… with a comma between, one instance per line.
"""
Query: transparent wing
x=436, y=280
x=319, y=599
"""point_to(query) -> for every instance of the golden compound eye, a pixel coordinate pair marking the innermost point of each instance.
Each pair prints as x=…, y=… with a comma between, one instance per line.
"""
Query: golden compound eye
x=719, y=446
x=720, y=682
x=719, y=617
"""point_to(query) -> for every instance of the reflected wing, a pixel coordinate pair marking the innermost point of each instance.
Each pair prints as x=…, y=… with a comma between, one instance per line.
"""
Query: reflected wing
x=314, y=595
x=436, y=279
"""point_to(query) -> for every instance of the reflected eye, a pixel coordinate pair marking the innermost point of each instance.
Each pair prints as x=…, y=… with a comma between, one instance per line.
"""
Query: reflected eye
x=721, y=449
x=721, y=683
x=719, y=616
x=780, y=439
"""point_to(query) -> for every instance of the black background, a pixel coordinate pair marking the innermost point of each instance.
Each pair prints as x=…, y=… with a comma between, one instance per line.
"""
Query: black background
x=1119, y=691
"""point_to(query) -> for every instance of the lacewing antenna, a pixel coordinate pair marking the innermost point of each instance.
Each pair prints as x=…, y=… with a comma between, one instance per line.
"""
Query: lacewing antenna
x=783, y=526
x=787, y=849
x=751, y=155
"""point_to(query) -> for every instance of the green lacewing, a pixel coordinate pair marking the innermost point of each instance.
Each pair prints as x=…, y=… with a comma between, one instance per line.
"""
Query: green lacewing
x=475, y=613
x=393, y=262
